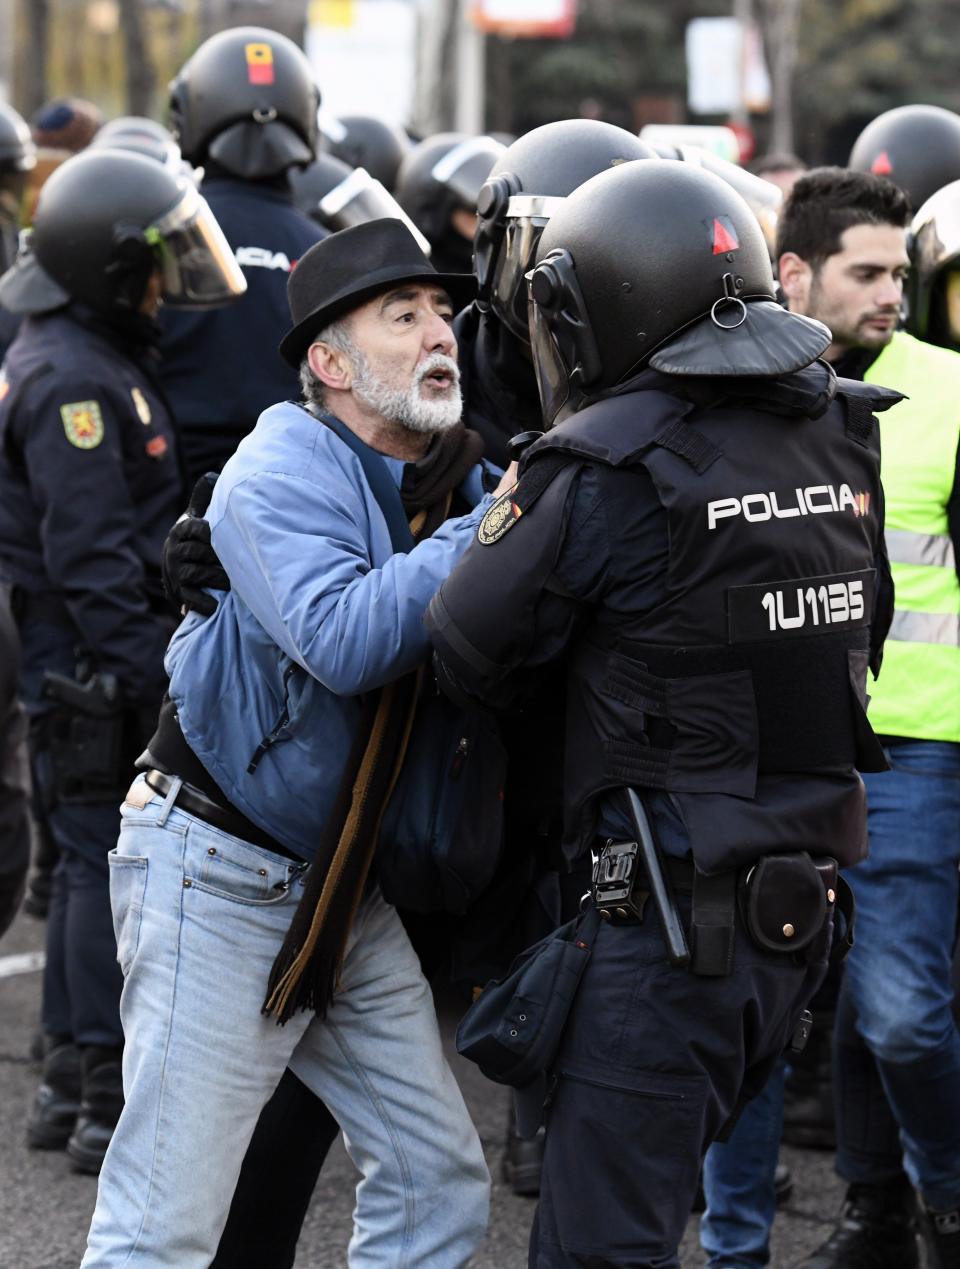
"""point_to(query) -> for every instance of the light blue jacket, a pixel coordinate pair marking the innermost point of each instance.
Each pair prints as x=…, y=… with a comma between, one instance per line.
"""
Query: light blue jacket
x=320, y=610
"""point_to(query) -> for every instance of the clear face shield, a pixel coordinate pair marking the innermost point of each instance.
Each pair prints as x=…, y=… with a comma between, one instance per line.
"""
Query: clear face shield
x=552, y=382
x=198, y=268
x=565, y=355
x=359, y=199
x=934, y=286
x=527, y=217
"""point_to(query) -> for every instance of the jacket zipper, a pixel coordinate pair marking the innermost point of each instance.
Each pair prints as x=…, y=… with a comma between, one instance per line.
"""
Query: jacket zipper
x=273, y=735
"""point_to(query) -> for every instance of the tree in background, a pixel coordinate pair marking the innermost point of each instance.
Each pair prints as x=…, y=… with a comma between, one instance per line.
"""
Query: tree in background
x=854, y=59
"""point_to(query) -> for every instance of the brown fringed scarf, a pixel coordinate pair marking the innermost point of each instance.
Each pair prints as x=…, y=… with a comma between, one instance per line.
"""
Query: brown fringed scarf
x=304, y=974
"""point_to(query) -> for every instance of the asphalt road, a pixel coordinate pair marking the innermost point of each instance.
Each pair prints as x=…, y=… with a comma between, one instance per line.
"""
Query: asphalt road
x=46, y=1207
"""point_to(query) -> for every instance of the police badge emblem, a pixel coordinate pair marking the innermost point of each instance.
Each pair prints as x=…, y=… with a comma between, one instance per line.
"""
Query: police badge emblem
x=499, y=519
x=83, y=423
x=142, y=406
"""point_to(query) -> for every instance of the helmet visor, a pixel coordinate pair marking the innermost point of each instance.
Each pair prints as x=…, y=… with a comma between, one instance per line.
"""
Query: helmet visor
x=527, y=217
x=358, y=199
x=199, y=269
x=552, y=379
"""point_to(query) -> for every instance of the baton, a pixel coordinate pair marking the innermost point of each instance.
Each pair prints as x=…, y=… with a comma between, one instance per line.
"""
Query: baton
x=677, y=951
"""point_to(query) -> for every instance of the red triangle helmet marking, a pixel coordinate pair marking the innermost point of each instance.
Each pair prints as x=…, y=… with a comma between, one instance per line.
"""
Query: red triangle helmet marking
x=881, y=165
x=724, y=239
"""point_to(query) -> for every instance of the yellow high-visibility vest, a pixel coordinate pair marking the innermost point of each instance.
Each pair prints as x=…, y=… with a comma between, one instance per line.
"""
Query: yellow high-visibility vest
x=918, y=691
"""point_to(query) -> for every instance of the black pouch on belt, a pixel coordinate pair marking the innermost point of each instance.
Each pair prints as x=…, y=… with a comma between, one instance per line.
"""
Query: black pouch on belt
x=785, y=900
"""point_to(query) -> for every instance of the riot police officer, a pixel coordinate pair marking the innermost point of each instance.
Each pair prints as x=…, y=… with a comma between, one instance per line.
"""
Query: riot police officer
x=337, y=197
x=916, y=147
x=89, y=485
x=437, y=186
x=244, y=108
x=18, y=157
x=526, y=185
x=652, y=547
x=365, y=141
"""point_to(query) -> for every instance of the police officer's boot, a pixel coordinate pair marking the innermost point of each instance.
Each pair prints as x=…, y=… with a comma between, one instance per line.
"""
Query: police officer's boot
x=100, y=1106
x=878, y=1230
x=808, y=1117
x=941, y=1231
x=57, y=1100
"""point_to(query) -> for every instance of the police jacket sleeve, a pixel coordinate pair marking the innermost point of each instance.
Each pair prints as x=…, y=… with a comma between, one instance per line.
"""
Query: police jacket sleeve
x=514, y=605
x=74, y=455
x=305, y=572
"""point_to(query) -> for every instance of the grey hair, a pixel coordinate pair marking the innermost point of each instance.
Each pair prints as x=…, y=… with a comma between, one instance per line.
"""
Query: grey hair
x=336, y=335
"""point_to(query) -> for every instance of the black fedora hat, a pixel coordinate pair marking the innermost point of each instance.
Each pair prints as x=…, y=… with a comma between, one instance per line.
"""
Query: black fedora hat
x=352, y=266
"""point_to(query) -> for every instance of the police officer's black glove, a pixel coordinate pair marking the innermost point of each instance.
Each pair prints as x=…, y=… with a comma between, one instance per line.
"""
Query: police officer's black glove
x=190, y=564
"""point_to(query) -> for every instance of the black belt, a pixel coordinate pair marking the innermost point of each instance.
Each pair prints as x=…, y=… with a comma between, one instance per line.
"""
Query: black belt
x=189, y=798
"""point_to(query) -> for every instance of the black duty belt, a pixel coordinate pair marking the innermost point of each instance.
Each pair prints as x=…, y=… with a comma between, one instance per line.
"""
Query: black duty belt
x=190, y=799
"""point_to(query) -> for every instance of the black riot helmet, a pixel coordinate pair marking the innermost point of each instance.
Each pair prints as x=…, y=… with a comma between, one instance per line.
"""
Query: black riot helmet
x=525, y=187
x=917, y=147
x=440, y=175
x=338, y=197
x=364, y=141
x=933, y=284
x=246, y=101
x=106, y=221
x=141, y=136
x=660, y=264
x=18, y=157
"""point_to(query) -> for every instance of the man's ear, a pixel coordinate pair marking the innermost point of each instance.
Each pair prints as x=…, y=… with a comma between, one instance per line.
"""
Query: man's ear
x=795, y=277
x=331, y=366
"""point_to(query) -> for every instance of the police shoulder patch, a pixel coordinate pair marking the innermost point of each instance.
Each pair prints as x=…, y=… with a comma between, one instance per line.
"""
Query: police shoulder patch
x=83, y=423
x=498, y=520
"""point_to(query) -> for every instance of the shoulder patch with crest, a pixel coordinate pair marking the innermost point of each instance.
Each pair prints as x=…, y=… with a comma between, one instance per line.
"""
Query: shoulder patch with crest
x=498, y=520
x=83, y=423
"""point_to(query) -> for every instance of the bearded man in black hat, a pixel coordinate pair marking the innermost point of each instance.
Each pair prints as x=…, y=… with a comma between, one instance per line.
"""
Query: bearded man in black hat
x=274, y=757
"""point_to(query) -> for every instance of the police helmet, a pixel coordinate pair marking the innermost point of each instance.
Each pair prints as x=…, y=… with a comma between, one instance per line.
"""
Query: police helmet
x=439, y=175
x=660, y=264
x=247, y=101
x=917, y=147
x=106, y=221
x=18, y=157
x=338, y=197
x=933, y=284
x=525, y=187
x=141, y=136
x=367, y=142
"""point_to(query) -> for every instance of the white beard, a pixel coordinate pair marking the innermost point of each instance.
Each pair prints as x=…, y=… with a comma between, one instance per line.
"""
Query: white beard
x=405, y=406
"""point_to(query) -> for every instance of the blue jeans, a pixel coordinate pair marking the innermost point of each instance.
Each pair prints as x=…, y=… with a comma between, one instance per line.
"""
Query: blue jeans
x=199, y=918
x=898, y=982
x=738, y=1183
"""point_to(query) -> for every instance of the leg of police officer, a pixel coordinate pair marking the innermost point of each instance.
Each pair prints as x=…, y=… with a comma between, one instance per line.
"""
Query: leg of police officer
x=79, y=1099
x=654, y=1062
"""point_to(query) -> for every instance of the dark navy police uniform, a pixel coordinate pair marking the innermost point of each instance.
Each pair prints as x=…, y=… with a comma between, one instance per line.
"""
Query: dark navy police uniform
x=706, y=557
x=89, y=487
x=221, y=368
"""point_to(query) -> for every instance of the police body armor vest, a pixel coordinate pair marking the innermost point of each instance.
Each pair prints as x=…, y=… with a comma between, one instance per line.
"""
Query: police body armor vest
x=919, y=692
x=742, y=693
